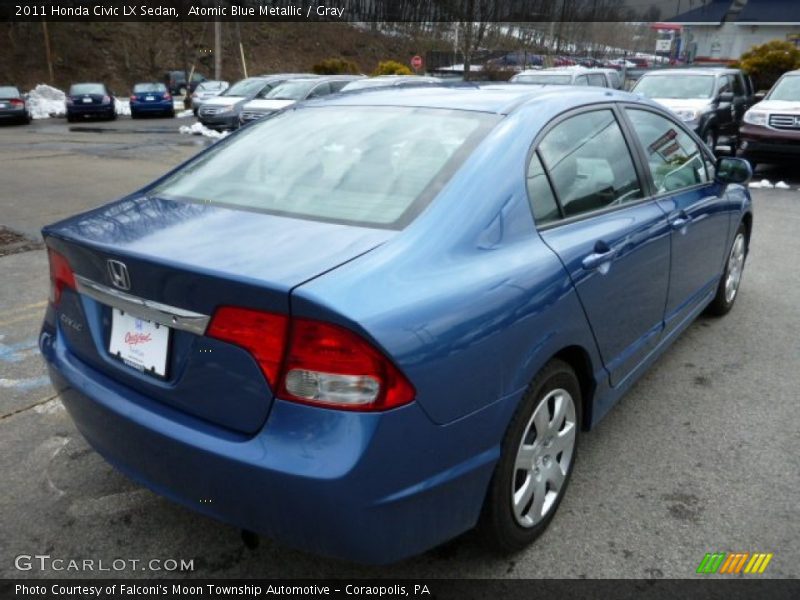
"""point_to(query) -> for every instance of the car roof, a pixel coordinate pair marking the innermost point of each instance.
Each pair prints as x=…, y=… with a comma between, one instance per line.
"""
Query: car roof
x=692, y=71
x=499, y=98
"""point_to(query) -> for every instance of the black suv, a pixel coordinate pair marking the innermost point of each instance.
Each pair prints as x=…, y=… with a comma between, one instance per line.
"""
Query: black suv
x=712, y=101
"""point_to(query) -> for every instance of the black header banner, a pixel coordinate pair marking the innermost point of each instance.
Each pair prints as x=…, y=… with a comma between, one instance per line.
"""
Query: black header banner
x=696, y=11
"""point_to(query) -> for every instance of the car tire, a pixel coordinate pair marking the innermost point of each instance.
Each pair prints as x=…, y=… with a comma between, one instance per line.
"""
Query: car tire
x=521, y=500
x=728, y=287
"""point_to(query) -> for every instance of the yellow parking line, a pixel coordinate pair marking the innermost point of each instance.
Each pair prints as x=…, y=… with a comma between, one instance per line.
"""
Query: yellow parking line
x=23, y=308
x=29, y=317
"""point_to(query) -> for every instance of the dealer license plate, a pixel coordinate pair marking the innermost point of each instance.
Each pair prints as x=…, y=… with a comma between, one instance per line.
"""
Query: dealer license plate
x=141, y=344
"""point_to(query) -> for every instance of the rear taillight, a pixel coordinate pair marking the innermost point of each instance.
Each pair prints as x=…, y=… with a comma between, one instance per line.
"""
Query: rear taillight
x=106, y=99
x=314, y=362
x=133, y=98
x=61, y=276
x=69, y=100
x=17, y=102
x=260, y=333
x=167, y=97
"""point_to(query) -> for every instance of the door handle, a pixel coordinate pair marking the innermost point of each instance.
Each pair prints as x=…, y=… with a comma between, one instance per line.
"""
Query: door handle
x=598, y=259
x=679, y=220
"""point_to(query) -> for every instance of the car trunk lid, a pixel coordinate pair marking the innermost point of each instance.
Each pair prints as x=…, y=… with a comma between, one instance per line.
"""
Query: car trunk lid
x=187, y=260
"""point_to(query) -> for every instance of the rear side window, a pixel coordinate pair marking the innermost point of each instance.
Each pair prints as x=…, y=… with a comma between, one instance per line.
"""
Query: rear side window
x=674, y=159
x=323, y=89
x=589, y=163
x=597, y=79
x=375, y=166
x=540, y=194
x=581, y=80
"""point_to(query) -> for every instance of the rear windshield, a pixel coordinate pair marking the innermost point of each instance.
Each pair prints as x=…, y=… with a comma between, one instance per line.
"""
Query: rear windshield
x=788, y=88
x=87, y=88
x=141, y=88
x=373, y=166
x=543, y=78
x=245, y=87
x=8, y=91
x=676, y=86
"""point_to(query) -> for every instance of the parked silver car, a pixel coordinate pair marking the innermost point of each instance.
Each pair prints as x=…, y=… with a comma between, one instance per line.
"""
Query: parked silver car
x=205, y=90
x=567, y=76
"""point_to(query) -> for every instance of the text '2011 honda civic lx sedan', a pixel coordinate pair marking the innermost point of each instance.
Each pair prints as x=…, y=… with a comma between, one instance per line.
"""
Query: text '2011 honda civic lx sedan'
x=374, y=321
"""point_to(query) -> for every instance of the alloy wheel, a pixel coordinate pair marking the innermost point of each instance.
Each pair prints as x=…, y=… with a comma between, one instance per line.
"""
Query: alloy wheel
x=735, y=268
x=543, y=458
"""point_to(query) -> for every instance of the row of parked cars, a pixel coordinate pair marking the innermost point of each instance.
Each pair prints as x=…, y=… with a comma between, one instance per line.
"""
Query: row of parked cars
x=719, y=104
x=256, y=97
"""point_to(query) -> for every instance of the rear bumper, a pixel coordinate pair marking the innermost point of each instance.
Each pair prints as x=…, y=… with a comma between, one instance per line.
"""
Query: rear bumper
x=373, y=488
x=91, y=110
x=152, y=107
x=13, y=115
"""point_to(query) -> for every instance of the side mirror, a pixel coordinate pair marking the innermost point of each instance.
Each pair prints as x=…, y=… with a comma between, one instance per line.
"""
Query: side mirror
x=726, y=97
x=760, y=95
x=733, y=170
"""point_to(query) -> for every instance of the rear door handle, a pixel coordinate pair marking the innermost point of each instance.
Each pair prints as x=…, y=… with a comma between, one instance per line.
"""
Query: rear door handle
x=598, y=259
x=679, y=220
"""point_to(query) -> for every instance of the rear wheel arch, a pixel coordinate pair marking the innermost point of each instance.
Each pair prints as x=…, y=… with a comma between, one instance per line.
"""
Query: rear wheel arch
x=578, y=358
x=747, y=221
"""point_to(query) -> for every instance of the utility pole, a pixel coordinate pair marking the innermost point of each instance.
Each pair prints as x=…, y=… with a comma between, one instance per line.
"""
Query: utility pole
x=47, y=53
x=217, y=50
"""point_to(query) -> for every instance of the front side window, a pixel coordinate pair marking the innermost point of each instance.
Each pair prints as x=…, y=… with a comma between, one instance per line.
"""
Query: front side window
x=581, y=80
x=675, y=160
x=291, y=90
x=589, y=163
x=377, y=166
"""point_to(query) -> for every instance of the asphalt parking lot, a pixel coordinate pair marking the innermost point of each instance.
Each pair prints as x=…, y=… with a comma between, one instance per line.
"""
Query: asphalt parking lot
x=703, y=454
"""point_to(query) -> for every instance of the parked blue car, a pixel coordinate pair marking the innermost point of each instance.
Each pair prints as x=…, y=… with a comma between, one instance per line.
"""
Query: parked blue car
x=151, y=99
x=374, y=321
x=90, y=100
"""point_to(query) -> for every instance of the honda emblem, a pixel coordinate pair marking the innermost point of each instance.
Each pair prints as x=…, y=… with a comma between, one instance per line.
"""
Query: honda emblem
x=118, y=273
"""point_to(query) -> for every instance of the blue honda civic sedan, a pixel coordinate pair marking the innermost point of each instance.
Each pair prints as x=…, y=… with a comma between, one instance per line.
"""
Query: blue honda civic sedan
x=375, y=321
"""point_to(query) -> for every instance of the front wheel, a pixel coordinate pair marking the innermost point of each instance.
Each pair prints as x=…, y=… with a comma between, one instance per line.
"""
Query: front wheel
x=538, y=453
x=728, y=288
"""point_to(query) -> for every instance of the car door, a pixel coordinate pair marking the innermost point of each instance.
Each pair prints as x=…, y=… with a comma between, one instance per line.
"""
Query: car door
x=613, y=242
x=683, y=185
x=726, y=110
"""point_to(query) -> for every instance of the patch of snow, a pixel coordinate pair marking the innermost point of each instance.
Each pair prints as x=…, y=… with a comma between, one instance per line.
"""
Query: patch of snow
x=123, y=107
x=200, y=129
x=185, y=113
x=764, y=183
x=45, y=101
x=782, y=185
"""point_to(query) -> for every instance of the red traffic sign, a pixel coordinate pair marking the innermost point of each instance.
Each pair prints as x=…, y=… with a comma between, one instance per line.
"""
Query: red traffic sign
x=416, y=62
